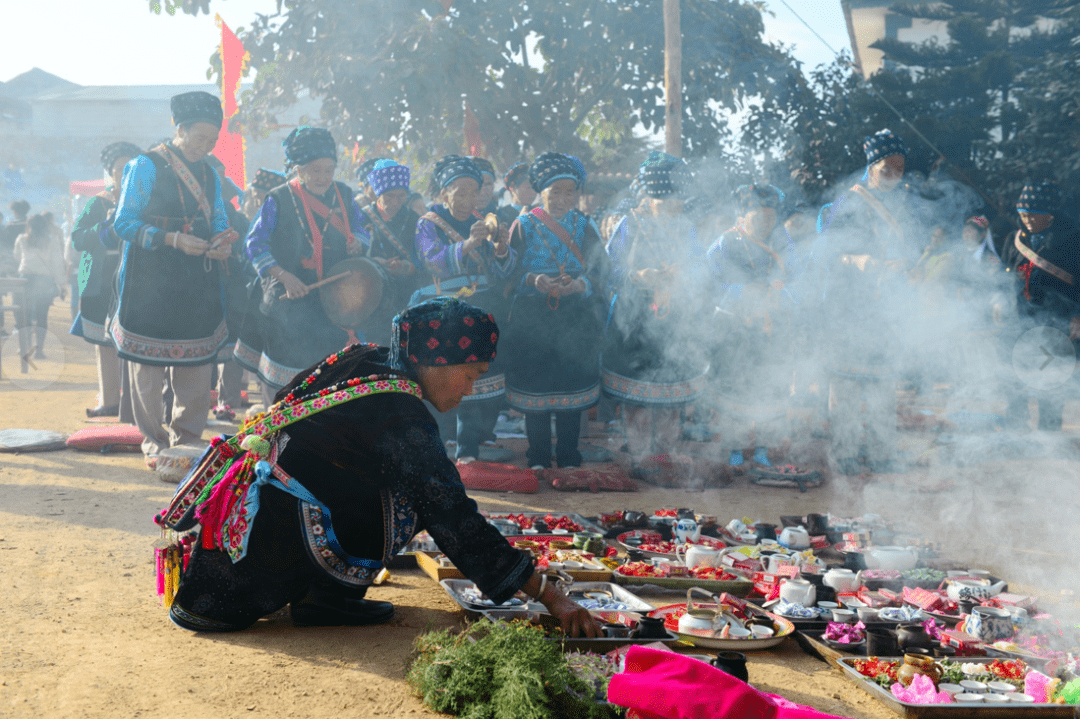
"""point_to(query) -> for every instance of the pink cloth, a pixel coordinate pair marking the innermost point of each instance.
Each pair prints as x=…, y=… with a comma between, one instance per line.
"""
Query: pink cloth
x=665, y=685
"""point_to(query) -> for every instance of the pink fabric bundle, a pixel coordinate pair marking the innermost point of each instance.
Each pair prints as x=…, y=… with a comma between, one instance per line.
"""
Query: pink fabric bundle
x=665, y=685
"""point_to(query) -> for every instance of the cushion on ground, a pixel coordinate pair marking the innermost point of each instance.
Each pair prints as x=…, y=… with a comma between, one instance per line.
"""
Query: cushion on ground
x=115, y=437
x=610, y=478
x=494, y=477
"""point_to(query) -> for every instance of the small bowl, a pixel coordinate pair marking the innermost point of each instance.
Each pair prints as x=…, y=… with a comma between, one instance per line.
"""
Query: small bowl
x=560, y=530
x=843, y=615
x=866, y=614
x=995, y=699
x=951, y=689
x=828, y=605
x=968, y=698
x=1020, y=698
x=1000, y=687
x=739, y=633
x=854, y=604
x=973, y=687
x=762, y=632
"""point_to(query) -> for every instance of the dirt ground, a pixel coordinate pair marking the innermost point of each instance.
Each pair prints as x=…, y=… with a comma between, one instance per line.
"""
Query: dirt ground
x=85, y=636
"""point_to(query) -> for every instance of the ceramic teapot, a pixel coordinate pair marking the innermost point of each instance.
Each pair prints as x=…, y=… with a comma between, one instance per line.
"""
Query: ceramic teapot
x=775, y=561
x=795, y=538
x=798, y=591
x=697, y=620
x=989, y=624
x=698, y=555
x=967, y=590
x=842, y=580
x=898, y=558
x=687, y=530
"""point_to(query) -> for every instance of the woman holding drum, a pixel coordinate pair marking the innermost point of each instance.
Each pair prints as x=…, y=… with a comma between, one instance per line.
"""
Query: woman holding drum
x=304, y=228
x=553, y=334
x=469, y=258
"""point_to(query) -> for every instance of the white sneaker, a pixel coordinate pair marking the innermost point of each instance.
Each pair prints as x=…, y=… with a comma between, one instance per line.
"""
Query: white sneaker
x=466, y=460
x=537, y=467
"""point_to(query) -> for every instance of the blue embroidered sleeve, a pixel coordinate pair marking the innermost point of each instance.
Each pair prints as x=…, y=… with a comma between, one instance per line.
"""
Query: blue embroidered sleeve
x=221, y=218
x=135, y=188
x=358, y=224
x=443, y=261
x=257, y=244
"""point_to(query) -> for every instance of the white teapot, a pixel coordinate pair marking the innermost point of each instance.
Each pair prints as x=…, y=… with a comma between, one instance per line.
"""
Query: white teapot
x=842, y=580
x=696, y=619
x=795, y=538
x=698, y=555
x=798, y=591
x=968, y=590
x=687, y=530
x=897, y=558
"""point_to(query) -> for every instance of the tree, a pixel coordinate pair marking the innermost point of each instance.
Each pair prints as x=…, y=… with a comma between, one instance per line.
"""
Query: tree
x=578, y=76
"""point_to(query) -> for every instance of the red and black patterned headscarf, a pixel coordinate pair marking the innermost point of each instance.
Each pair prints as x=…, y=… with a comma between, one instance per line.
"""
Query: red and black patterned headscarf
x=443, y=331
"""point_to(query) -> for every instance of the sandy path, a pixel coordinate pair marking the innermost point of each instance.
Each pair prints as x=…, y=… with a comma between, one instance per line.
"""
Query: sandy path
x=85, y=636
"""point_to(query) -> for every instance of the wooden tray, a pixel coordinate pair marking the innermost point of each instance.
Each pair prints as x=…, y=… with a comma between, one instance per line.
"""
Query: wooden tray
x=429, y=562
x=812, y=643
x=453, y=587
x=735, y=587
x=1008, y=710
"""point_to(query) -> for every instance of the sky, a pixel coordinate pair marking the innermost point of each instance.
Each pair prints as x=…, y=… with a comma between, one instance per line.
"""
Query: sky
x=120, y=42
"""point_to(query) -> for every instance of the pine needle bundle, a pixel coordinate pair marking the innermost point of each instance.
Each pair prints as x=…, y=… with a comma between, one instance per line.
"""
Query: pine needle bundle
x=501, y=670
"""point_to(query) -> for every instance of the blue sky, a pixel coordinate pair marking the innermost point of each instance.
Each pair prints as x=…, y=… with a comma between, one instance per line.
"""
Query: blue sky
x=119, y=42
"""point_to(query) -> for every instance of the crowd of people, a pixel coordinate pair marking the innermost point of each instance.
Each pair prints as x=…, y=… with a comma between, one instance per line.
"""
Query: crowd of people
x=691, y=317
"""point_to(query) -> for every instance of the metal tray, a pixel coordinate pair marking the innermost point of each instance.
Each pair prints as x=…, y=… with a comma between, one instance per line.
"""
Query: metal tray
x=454, y=587
x=587, y=525
x=735, y=587
x=952, y=711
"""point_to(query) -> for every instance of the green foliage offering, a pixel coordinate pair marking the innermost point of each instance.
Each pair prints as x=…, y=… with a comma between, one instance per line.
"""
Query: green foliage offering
x=501, y=671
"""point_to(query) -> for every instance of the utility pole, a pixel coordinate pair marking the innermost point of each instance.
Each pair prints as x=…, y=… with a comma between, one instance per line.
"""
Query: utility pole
x=672, y=79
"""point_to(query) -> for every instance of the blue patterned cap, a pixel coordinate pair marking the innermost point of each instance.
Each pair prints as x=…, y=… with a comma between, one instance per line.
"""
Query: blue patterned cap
x=1039, y=198
x=307, y=144
x=388, y=175
x=663, y=175
x=484, y=165
x=191, y=107
x=550, y=167
x=881, y=145
x=266, y=180
x=516, y=175
x=115, y=151
x=443, y=331
x=753, y=196
x=453, y=167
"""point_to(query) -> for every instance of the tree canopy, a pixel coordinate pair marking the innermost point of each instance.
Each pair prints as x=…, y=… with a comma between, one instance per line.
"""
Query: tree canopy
x=578, y=76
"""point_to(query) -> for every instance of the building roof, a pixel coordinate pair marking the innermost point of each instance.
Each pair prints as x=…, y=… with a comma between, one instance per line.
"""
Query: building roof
x=124, y=93
x=33, y=83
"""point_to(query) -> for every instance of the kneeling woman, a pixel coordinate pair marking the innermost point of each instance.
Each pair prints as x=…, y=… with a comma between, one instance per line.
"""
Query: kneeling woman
x=554, y=334
x=367, y=454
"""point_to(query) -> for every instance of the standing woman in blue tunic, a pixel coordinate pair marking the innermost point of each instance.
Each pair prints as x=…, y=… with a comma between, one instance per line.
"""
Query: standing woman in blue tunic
x=554, y=333
x=94, y=237
x=653, y=359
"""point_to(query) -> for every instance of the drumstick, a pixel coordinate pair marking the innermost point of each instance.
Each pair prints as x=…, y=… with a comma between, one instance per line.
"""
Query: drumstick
x=320, y=283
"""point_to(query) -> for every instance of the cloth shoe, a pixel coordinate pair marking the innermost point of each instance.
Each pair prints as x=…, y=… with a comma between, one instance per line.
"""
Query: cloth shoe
x=349, y=613
x=113, y=411
x=761, y=457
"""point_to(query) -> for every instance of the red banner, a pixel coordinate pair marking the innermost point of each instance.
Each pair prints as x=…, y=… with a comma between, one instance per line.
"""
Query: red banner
x=230, y=146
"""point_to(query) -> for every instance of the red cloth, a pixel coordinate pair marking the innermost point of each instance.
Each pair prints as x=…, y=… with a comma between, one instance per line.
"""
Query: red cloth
x=608, y=477
x=664, y=685
x=495, y=477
